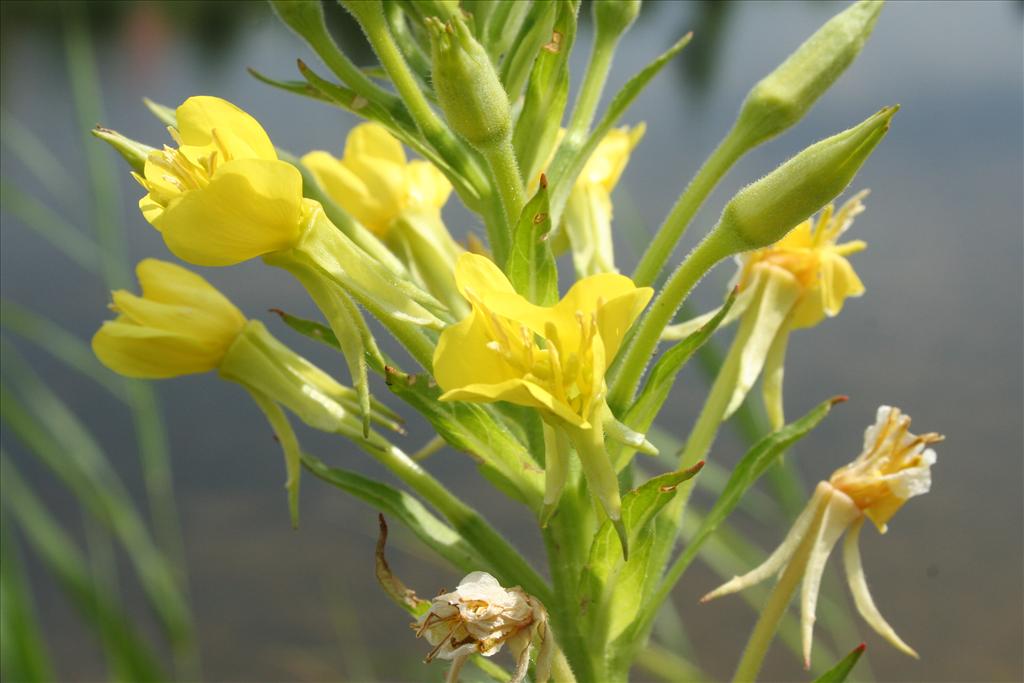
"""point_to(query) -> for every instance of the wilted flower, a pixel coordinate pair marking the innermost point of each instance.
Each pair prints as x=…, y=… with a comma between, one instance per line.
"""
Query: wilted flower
x=480, y=617
x=893, y=467
x=792, y=284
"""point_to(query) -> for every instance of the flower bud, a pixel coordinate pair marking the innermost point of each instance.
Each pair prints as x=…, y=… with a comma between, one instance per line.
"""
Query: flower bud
x=782, y=97
x=613, y=17
x=467, y=86
x=764, y=211
x=180, y=325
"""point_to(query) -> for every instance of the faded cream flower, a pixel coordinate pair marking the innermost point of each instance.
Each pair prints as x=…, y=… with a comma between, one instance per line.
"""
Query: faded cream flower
x=479, y=617
x=893, y=467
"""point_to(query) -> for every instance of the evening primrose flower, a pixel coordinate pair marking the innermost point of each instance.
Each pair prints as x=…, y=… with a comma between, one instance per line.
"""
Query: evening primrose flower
x=481, y=617
x=183, y=325
x=552, y=359
x=894, y=466
x=588, y=213
x=400, y=201
x=222, y=196
x=792, y=284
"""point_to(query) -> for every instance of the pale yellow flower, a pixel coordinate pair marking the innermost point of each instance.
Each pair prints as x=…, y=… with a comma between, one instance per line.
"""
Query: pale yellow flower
x=375, y=182
x=480, y=617
x=893, y=467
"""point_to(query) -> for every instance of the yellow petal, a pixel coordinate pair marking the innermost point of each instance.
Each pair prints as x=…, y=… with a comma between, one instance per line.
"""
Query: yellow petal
x=838, y=281
x=150, y=353
x=428, y=187
x=462, y=356
x=609, y=159
x=251, y=207
x=518, y=391
x=199, y=116
x=373, y=141
x=350, y=191
x=171, y=283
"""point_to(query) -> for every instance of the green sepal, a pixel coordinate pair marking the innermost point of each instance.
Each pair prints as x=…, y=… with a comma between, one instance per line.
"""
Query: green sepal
x=285, y=436
x=135, y=153
x=842, y=669
x=303, y=88
x=531, y=266
x=469, y=427
x=163, y=113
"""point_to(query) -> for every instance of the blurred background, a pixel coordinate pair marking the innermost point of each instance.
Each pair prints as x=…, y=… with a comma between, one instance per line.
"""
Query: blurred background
x=938, y=333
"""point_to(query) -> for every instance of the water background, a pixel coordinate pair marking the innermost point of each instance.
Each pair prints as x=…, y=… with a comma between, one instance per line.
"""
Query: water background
x=938, y=333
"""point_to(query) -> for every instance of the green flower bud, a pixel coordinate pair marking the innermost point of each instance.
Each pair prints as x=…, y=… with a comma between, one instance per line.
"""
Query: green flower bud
x=782, y=97
x=468, y=89
x=135, y=153
x=613, y=17
x=305, y=17
x=764, y=211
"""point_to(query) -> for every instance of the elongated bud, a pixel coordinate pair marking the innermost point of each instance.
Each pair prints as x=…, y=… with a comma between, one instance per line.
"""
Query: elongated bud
x=468, y=89
x=613, y=17
x=764, y=211
x=782, y=97
x=135, y=153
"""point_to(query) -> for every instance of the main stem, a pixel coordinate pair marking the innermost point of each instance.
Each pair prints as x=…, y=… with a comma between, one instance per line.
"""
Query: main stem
x=658, y=251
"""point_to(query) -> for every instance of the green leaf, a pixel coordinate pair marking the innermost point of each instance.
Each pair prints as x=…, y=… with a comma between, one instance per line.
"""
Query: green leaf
x=527, y=47
x=531, y=265
x=471, y=428
x=572, y=157
x=56, y=436
x=398, y=504
x=304, y=88
x=609, y=587
x=131, y=656
x=23, y=655
x=842, y=669
x=547, y=93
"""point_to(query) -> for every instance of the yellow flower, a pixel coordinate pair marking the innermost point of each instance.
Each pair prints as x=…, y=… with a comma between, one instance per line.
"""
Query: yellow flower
x=893, y=467
x=375, y=183
x=494, y=354
x=180, y=325
x=552, y=359
x=588, y=212
x=222, y=196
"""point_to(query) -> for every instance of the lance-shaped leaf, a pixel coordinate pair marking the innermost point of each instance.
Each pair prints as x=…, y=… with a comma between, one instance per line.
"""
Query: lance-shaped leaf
x=572, y=156
x=652, y=397
x=842, y=669
x=533, y=35
x=407, y=509
x=609, y=586
x=547, y=93
x=531, y=265
x=757, y=460
x=471, y=428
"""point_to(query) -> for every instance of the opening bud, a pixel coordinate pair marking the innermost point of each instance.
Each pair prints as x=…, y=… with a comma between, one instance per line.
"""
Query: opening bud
x=763, y=212
x=615, y=16
x=468, y=89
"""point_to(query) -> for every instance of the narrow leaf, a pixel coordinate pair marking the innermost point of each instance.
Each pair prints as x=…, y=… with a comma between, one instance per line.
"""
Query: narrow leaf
x=531, y=266
x=842, y=669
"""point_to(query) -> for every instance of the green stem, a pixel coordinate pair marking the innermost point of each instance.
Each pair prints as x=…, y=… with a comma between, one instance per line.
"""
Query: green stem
x=567, y=539
x=561, y=672
x=732, y=147
x=775, y=609
x=626, y=373
x=370, y=15
x=502, y=159
x=593, y=85
x=508, y=561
